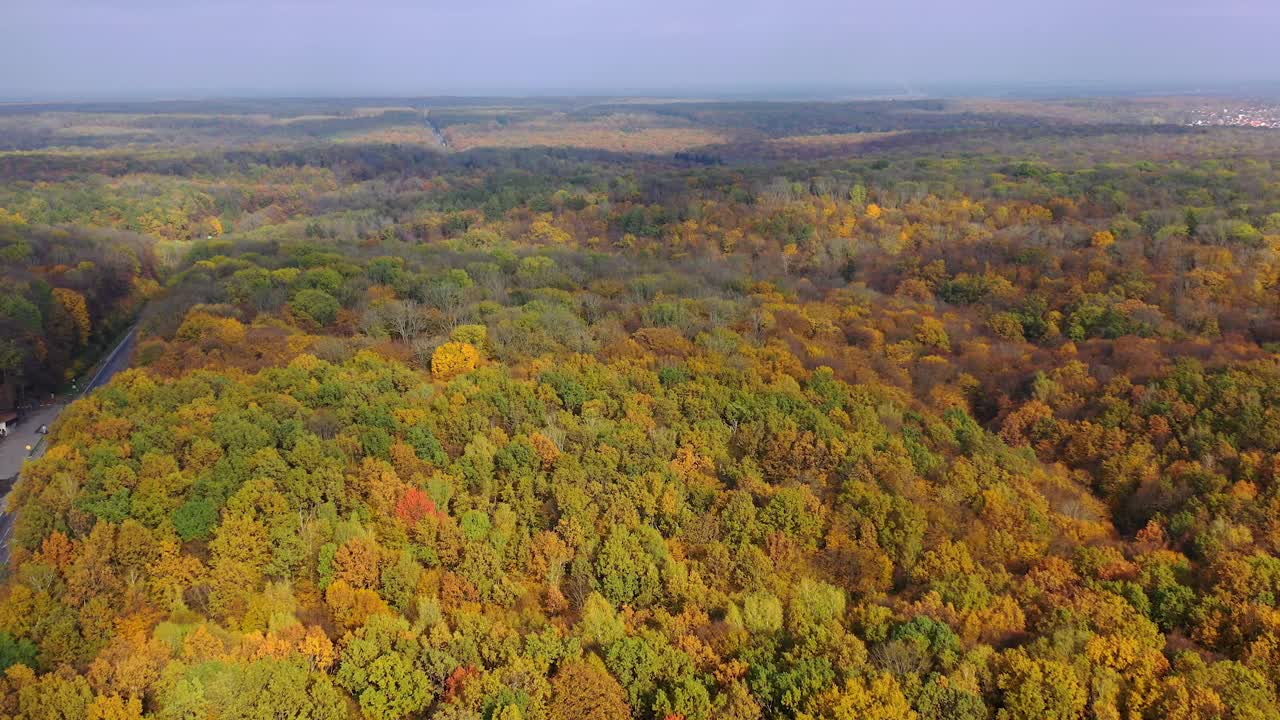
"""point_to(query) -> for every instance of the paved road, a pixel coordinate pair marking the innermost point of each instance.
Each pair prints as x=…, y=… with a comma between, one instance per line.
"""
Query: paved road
x=13, y=453
x=118, y=360
x=13, y=448
x=440, y=139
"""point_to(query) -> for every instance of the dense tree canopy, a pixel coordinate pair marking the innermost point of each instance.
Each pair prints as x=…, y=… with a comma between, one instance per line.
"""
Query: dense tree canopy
x=983, y=428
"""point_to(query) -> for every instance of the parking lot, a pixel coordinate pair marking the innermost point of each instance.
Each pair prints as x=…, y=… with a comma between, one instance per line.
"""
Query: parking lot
x=13, y=450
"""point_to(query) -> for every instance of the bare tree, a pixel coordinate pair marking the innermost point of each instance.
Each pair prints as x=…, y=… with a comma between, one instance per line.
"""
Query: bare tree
x=406, y=319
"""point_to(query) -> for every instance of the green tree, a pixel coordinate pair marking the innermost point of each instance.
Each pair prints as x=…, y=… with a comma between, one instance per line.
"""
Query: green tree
x=378, y=668
x=316, y=306
x=626, y=571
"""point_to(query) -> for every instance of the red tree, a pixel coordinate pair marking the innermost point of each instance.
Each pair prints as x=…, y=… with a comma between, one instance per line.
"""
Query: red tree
x=414, y=506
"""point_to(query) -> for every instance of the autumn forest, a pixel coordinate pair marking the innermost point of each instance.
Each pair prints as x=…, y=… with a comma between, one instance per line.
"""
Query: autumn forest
x=569, y=408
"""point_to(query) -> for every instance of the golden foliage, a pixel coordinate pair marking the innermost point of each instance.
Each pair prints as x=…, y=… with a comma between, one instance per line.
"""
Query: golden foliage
x=454, y=358
x=73, y=304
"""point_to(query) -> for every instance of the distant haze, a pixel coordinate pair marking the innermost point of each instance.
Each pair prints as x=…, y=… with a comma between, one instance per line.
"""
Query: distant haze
x=55, y=49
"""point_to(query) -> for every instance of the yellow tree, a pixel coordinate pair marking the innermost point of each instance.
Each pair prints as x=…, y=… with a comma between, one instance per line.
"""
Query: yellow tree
x=453, y=358
x=859, y=699
x=114, y=707
x=583, y=690
x=76, y=308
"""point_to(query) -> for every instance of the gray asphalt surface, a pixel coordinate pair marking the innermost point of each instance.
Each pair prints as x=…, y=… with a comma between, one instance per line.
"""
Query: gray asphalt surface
x=13, y=453
x=118, y=360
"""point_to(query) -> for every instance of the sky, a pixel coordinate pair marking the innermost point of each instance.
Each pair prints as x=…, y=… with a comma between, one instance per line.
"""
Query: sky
x=82, y=49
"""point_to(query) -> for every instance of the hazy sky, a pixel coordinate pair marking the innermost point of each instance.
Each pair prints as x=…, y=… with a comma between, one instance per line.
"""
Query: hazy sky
x=102, y=48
